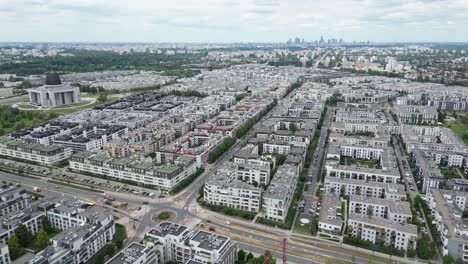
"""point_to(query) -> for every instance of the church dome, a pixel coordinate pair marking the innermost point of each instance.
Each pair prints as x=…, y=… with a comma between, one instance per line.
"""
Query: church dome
x=53, y=78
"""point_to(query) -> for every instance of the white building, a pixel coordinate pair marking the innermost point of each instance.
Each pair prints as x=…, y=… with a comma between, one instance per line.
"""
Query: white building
x=376, y=229
x=182, y=245
x=54, y=93
x=4, y=254
x=34, y=152
x=330, y=218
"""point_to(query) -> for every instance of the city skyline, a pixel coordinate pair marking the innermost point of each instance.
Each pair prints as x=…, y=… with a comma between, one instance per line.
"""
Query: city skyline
x=234, y=21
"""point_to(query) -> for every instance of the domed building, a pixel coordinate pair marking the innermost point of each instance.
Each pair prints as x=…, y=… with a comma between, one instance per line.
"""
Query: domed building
x=54, y=93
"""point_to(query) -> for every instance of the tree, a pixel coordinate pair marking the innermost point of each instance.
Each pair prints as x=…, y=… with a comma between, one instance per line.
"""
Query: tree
x=249, y=256
x=241, y=256
x=102, y=98
x=448, y=259
x=42, y=238
x=46, y=225
x=14, y=247
x=426, y=248
x=24, y=236
x=292, y=127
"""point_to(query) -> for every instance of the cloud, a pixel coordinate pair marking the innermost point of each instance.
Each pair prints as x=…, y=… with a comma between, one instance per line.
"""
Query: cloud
x=233, y=20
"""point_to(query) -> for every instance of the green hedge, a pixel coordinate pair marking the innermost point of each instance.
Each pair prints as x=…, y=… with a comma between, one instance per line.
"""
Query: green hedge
x=186, y=182
x=354, y=241
x=228, y=211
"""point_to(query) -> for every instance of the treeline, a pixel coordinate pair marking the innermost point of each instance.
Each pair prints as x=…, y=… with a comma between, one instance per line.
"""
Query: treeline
x=12, y=118
x=228, y=211
x=376, y=73
x=89, y=89
x=375, y=247
x=219, y=150
x=88, y=60
x=186, y=182
x=188, y=93
x=244, y=128
x=240, y=96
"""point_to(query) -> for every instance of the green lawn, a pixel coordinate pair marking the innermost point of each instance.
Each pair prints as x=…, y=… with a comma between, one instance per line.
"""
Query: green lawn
x=13, y=100
x=460, y=129
x=362, y=162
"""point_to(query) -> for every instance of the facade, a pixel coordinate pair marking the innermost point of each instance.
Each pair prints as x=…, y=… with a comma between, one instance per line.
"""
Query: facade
x=374, y=229
x=136, y=253
x=224, y=188
x=397, y=212
x=34, y=152
x=181, y=245
x=165, y=176
x=330, y=217
x=86, y=228
x=447, y=209
x=347, y=187
x=54, y=93
x=279, y=194
x=13, y=199
x=416, y=114
x=4, y=254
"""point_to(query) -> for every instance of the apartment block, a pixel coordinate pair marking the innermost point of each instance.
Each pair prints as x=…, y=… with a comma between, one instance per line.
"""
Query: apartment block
x=447, y=209
x=183, y=245
x=377, y=207
x=375, y=229
x=13, y=199
x=33, y=152
x=330, y=218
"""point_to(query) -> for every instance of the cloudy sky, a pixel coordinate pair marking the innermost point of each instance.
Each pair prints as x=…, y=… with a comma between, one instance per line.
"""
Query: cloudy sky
x=232, y=20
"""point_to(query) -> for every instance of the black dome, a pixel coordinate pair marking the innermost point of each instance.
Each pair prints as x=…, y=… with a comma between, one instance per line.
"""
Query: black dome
x=53, y=78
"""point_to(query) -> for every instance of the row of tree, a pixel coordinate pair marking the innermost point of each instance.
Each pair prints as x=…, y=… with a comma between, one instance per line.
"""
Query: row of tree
x=88, y=61
x=219, y=150
x=244, y=128
x=188, y=93
x=244, y=258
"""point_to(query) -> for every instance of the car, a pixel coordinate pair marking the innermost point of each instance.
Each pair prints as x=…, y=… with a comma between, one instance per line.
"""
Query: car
x=412, y=188
x=139, y=208
x=145, y=202
x=311, y=210
x=309, y=183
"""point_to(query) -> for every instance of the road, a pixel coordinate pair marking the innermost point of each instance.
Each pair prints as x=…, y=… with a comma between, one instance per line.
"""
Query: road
x=315, y=170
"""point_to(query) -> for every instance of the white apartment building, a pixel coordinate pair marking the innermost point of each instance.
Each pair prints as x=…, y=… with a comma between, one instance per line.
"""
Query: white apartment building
x=447, y=209
x=86, y=229
x=347, y=187
x=362, y=174
x=165, y=176
x=391, y=233
x=330, y=218
x=34, y=152
x=222, y=188
x=253, y=174
x=30, y=217
x=4, y=254
x=416, y=114
x=377, y=207
x=182, y=245
x=136, y=253
x=278, y=196
x=13, y=199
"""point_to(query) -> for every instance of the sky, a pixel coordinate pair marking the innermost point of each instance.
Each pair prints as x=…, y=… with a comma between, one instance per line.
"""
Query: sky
x=215, y=21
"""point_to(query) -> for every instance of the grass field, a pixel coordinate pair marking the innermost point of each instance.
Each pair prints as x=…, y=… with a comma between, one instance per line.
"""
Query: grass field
x=460, y=129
